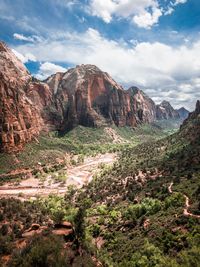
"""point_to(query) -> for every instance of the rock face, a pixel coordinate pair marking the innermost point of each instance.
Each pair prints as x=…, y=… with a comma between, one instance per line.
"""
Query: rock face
x=142, y=105
x=84, y=95
x=166, y=111
x=20, y=121
x=87, y=96
x=183, y=113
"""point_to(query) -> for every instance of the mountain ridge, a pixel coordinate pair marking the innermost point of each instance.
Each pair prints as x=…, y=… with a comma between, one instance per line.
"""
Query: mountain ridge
x=83, y=95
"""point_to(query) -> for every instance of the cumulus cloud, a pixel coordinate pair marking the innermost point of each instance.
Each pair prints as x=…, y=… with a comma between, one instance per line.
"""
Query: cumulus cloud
x=144, y=13
x=47, y=69
x=173, y=72
x=24, y=58
x=147, y=19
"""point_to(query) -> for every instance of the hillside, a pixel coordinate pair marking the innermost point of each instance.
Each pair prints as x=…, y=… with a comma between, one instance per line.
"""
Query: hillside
x=145, y=210
x=142, y=211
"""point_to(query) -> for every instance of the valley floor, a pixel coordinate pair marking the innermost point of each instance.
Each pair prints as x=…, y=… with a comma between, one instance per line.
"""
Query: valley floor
x=76, y=176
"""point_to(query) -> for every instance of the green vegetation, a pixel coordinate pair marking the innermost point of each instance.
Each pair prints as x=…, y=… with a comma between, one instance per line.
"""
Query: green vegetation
x=81, y=141
x=128, y=216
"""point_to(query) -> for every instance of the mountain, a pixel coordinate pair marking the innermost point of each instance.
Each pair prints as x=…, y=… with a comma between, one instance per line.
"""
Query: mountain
x=20, y=121
x=190, y=128
x=84, y=95
x=166, y=111
x=144, y=106
x=183, y=113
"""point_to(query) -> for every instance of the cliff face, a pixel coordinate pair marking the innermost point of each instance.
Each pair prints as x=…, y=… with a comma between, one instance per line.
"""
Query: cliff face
x=20, y=121
x=142, y=105
x=166, y=111
x=85, y=95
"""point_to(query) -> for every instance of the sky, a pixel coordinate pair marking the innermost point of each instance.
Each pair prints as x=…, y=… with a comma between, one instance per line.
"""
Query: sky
x=152, y=44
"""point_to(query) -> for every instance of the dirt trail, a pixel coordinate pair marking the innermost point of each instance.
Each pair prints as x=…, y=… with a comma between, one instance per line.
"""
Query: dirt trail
x=77, y=176
x=187, y=204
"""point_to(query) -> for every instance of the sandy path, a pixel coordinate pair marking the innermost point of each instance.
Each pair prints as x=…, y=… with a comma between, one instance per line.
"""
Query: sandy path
x=187, y=204
x=77, y=176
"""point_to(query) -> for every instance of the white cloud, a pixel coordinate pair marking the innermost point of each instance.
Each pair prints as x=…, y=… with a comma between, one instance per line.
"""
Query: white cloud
x=144, y=13
x=65, y=3
x=147, y=19
x=177, y=2
x=47, y=69
x=158, y=66
x=32, y=38
x=169, y=11
x=24, y=58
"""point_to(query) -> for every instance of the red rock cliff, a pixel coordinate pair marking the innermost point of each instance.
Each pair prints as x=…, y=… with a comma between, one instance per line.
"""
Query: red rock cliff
x=21, y=103
x=85, y=95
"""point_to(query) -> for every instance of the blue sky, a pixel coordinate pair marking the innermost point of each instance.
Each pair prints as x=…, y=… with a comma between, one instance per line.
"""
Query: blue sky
x=153, y=44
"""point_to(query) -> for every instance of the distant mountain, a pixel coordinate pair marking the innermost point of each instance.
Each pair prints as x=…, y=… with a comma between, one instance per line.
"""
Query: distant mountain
x=84, y=95
x=166, y=111
x=144, y=106
x=183, y=113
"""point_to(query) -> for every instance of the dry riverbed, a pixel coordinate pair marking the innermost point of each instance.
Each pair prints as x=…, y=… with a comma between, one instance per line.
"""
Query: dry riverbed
x=75, y=175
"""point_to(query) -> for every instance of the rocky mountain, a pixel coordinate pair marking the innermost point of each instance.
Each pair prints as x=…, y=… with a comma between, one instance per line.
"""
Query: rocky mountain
x=183, y=113
x=143, y=106
x=87, y=96
x=166, y=111
x=190, y=128
x=20, y=121
x=84, y=95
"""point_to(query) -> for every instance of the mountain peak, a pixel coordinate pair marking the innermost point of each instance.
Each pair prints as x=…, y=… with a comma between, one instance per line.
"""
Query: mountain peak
x=165, y=103
x=190, y=128
x=197, y=110
x=3, y=47
x=133, y=90
x=88, y=67
x=166, y=111
x=11, y=68
x=183, y=113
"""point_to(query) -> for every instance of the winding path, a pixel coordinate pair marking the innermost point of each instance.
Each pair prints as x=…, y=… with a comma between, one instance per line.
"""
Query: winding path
x=187, y=204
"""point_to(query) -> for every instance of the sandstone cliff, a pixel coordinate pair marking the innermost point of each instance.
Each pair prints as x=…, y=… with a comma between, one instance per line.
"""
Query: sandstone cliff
x=166, y=111
x=87, y=96
x=143, y=106
x=84, y=95
x=20, y=121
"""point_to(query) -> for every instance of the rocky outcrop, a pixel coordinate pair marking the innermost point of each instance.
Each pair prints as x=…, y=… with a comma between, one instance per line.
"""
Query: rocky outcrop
x=84, y=95
x=87, y=96
x=20, y=121
x=142, y=105
x=183, y=113
x=165, y=111
x=190, y=129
